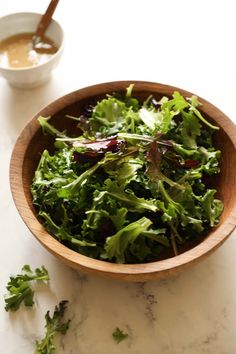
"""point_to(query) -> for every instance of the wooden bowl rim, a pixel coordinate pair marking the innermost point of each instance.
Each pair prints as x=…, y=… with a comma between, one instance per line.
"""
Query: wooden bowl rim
x=132, y=272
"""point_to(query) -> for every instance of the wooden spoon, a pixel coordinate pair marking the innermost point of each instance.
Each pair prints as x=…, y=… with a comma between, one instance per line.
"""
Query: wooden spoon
x=42, y=27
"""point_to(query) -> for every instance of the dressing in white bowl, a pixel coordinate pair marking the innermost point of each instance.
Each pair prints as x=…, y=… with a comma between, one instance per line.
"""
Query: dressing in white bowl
x=21, y=65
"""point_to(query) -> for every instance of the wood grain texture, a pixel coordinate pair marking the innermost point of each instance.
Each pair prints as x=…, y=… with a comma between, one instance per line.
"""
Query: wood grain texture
x=32, y=142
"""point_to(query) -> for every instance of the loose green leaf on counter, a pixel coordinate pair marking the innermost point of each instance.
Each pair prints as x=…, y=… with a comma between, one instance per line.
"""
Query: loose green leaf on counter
x=135, y=184
x=119, y=335
x=53, y=325
x=19, y=287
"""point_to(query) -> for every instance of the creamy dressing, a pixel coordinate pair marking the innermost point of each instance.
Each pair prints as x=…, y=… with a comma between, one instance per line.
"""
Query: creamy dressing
x=18, y=51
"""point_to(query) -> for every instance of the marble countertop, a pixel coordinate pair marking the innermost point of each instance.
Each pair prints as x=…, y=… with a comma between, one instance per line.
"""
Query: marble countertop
x=183, y=43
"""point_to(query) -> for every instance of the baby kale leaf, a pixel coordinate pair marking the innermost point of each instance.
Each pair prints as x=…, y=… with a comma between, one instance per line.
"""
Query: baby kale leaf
x=19, y=289
x=117, y=244
x=53, y=325
x=119, y=335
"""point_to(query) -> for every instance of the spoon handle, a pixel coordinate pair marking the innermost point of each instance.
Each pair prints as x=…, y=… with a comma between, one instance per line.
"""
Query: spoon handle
x=46, y=19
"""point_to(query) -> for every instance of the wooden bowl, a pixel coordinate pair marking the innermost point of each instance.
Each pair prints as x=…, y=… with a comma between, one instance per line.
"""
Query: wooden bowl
x=32, y=142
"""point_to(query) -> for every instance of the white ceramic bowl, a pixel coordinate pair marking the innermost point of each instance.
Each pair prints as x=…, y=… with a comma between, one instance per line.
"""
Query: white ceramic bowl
x=33, y=76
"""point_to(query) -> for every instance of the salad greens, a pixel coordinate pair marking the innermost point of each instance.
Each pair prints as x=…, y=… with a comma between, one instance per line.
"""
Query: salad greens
x=19, y=289
x=53, y=325
x=133, y=181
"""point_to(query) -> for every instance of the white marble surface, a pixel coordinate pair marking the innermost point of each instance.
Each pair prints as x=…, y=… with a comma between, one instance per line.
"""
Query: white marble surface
x=186, y=43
